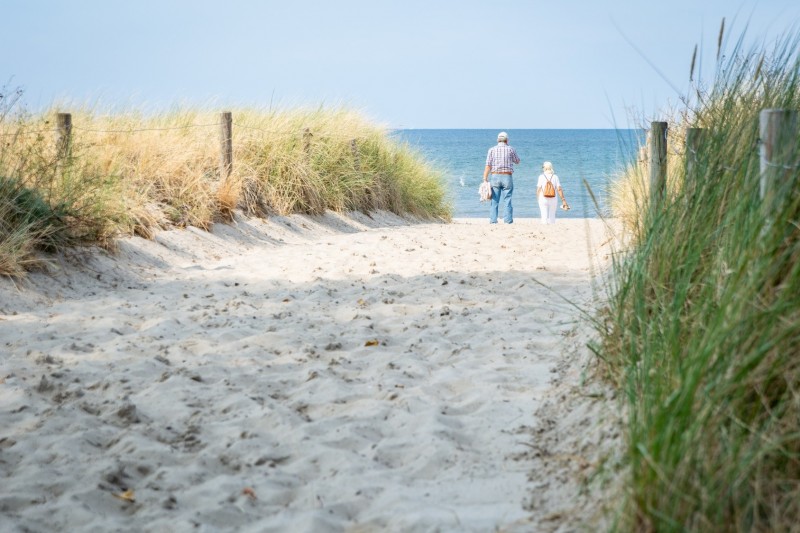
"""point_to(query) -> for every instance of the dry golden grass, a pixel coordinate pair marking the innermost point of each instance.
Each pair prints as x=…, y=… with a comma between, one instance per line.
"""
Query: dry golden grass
x=128, y=173
x=629, y=193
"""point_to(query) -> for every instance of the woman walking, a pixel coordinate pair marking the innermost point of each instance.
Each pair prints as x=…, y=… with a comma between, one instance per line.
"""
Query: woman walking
x=546, y=193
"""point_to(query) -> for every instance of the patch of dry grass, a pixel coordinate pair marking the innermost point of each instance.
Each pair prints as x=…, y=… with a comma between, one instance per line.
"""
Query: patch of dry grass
x=128, y=173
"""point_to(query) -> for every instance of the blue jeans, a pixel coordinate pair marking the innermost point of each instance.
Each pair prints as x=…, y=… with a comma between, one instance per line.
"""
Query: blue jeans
x=500, y=183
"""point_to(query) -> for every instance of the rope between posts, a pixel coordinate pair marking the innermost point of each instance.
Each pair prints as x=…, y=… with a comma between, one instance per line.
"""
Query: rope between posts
x=134, y=130
x=284, y=133
x=782, y=167
x=255, y=129
x=22, y=132
x=288, y=133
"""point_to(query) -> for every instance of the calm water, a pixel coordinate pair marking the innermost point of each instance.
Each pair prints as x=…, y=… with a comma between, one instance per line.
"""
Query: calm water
x=577, y=155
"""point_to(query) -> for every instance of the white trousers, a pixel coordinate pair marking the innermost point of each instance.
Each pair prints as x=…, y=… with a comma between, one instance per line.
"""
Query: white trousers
x=548, y=208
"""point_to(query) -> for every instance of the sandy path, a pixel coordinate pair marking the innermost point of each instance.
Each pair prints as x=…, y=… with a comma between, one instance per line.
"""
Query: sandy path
x=297, y=374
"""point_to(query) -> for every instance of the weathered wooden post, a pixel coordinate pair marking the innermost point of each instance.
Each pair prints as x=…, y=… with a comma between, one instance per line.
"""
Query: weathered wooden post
x=778, y=141
x=694, y=142
x=658, y=160
x=64, y=126
x=307, y=140
x=226, y=145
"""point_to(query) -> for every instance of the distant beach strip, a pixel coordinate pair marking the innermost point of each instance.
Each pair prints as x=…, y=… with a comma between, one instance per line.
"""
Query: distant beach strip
x=594, y=155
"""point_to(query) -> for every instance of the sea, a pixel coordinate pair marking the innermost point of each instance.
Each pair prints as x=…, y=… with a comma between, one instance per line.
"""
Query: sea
x=587, y=161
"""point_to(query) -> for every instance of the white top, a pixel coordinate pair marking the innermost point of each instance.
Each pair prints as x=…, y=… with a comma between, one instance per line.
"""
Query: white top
x=553, y=179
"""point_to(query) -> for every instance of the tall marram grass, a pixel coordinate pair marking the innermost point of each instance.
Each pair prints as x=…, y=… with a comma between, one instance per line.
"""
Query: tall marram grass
x=129, y=173
x=703, y=326
x=47, y=201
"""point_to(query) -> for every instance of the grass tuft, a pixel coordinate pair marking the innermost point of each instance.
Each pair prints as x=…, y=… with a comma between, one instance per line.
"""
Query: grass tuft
x=703, y=325
x=125, y=173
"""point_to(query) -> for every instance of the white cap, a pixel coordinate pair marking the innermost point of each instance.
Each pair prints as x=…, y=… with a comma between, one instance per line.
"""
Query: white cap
x=502, y=136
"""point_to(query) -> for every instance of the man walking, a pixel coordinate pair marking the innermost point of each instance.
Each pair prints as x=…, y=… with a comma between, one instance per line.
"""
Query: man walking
x=500, y=164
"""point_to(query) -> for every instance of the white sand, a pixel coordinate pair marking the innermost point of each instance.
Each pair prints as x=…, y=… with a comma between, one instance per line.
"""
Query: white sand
x=336, y=373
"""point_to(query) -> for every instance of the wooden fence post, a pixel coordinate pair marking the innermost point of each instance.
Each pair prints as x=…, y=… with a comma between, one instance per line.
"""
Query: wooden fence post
x=307, y=140
x=226, y=145
x=658, y=160
x=777, y=135
x=64, y=125
x=694, y=144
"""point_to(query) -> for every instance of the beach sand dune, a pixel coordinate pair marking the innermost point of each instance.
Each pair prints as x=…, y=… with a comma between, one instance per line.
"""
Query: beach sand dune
x=332, y=373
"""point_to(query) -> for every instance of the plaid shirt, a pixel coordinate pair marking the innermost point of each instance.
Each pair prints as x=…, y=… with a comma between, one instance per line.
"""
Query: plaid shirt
x=501, y=158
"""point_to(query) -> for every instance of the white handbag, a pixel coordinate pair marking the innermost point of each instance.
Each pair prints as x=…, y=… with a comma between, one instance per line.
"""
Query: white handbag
x=485, y=191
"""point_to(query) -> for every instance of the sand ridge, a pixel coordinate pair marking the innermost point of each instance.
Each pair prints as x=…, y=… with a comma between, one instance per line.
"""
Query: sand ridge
x=332, y=373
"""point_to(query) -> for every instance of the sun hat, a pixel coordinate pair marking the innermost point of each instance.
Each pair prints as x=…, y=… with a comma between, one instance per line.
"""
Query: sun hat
x=502, y=136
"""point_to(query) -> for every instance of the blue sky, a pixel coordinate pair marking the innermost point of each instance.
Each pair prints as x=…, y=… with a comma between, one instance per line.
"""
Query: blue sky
x=404, y=63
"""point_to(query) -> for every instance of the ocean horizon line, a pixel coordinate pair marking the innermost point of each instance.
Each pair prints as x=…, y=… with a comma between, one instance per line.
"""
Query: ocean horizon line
x=406, y=128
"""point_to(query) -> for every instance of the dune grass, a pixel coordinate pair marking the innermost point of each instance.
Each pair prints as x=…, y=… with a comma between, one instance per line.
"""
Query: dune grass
x=703, y=326
x=129, y=173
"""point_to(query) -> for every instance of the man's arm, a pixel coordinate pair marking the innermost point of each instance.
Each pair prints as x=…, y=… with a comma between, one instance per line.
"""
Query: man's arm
x=486, y=172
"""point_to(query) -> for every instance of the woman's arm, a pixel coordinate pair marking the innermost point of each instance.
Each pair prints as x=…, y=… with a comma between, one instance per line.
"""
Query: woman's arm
x=564, y=204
